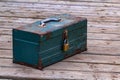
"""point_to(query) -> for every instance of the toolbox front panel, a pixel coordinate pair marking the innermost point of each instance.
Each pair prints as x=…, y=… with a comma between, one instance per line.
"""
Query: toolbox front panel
x=51, y=49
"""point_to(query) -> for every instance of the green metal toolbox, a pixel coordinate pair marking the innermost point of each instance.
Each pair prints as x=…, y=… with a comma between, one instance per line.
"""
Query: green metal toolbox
x=50, y=40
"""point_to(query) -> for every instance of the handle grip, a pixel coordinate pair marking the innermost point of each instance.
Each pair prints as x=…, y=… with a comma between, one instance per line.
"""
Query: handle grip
x=43, y=22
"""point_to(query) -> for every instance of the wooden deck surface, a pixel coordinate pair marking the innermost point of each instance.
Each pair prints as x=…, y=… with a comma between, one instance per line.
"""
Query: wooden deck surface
x=100, y=62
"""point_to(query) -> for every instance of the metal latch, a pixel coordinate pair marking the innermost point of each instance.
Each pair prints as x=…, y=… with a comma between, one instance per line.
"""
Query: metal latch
x=65, y=42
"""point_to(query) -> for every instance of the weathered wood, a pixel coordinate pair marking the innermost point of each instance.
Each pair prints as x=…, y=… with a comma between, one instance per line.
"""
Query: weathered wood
x=94, y=59
x=30, y=73
x=68, y=1
x=83, y=69
x=103, y=50
x=48, y=9
x=101, y=61
x=46, y=13
x=73, y=66
x=5, y=53
x=102, y=36
x=78, y=3
x=4, y=31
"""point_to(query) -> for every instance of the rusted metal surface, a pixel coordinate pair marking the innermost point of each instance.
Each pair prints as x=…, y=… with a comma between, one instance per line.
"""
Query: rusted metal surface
x=43, y=44
x=65, y=21
x=40, y=64
x=78, y=51
x=40, y=67
x=26, y=64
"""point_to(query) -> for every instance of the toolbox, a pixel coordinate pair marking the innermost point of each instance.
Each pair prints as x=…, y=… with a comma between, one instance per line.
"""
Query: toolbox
x=50, y=40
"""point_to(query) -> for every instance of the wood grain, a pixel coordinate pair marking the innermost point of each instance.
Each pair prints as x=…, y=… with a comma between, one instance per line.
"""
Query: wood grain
x=100, y=62
x=48, y=9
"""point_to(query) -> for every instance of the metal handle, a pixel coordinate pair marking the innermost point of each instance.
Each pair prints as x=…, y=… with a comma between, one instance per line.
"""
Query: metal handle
x=43, y=22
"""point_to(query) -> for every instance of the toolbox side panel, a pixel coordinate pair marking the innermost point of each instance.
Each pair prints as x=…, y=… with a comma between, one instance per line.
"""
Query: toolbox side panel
x=25, y=47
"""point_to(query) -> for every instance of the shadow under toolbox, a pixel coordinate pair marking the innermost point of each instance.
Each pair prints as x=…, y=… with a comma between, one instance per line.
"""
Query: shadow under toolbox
x=50, y=40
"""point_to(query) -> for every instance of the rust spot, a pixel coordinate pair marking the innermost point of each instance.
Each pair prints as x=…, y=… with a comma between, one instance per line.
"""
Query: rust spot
x=76, y=52
x=26, y=64
x=40, y=64
x=20, y=28
x=48, y=35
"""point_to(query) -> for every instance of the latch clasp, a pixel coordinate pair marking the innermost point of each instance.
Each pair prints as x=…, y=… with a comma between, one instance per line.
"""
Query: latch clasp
x=65, y=42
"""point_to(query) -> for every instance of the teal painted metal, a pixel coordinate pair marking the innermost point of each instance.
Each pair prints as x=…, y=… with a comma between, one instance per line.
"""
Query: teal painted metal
x=40, y=46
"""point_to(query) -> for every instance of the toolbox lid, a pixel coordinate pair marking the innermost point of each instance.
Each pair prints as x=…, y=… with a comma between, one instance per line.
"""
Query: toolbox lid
x=51, y=24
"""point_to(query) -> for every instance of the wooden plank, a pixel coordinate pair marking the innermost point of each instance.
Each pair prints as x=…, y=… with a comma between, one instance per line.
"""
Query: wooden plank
x=5, y=38
x=38, y=12
x=12, y=22
x=104, y=43
x=28, y=73
x=5, y=53
x=73, y=66
x=16, y=20
x=68, y=1
x=107, y=30
x=104, y=59
x=41, y=10
x=19, y=70
x=103, y=50
x=4, y=31
x=102, y=36
x=88, y=67
x=77, y=67
x=91, y=19
x=79, y=3
x=97, y=1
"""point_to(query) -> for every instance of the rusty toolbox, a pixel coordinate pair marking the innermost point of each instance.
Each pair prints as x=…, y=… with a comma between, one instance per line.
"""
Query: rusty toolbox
x=50, y=40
